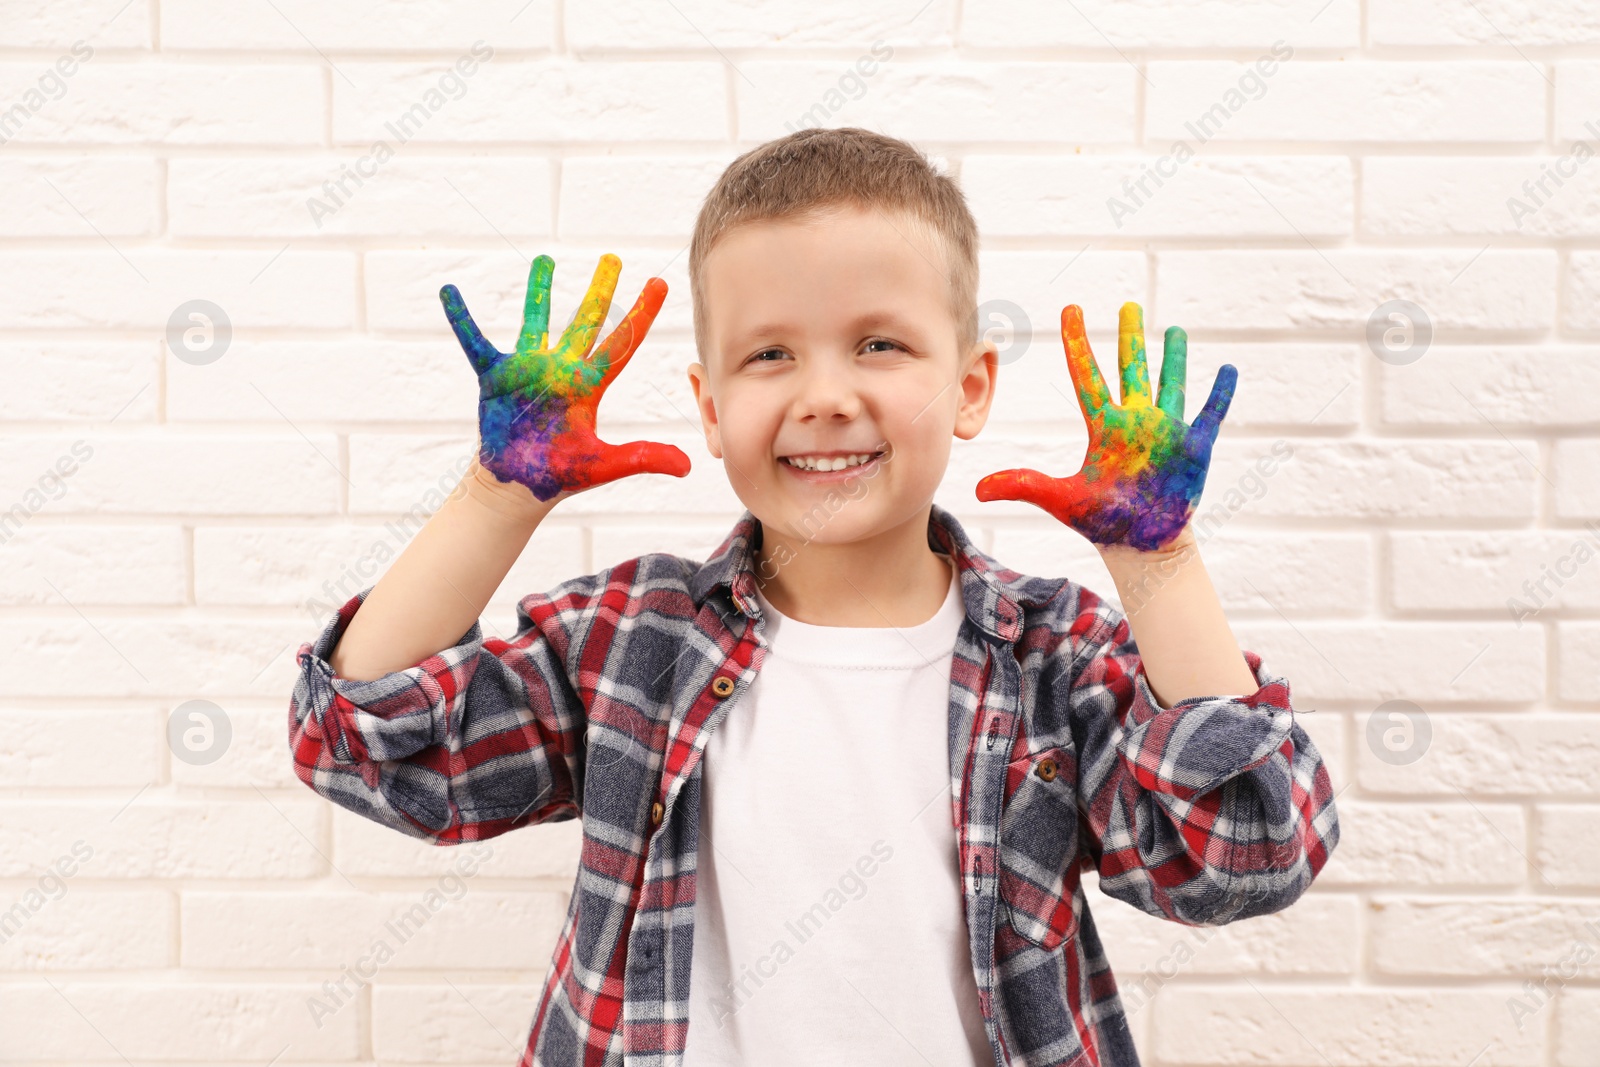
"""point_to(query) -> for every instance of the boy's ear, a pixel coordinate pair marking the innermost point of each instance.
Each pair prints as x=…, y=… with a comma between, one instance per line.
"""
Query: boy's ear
x=980, y=373
x=699, y=381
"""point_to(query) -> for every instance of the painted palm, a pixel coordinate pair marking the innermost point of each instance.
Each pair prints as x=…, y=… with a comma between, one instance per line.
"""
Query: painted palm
x=1144, y=470
x=536, y=404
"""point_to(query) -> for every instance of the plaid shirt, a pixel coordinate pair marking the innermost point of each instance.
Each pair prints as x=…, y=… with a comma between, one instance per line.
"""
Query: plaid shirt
x=1061, y=759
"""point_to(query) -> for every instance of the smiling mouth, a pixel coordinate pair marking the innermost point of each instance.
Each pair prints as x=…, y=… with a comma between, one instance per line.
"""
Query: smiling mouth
x=831, y=464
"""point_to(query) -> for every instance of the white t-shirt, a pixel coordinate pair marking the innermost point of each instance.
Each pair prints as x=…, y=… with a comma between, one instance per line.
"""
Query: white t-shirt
x=829, y=921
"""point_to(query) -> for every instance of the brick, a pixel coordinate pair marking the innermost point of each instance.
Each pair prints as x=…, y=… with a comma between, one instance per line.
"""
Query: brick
x=1419, y=844
x=1159, y=195
x=394, y=474
x=1322, y=574
x=305, y=26
x=1577, y=1029
x=1482, y=936
x=1319, y=935
x=452, y=921
x=703, y=25
x=100, y=23
x=402, y=288
x=361, y=192
x=1040, y=284
x=255, y=288
x=1105, y=24
x=106, y=654
x=1366, y=479
x=175, y=474
x=66, y=747
x=1435, y=664
x=1342, y=288
x=317, y=569
x=1582, y=296
x=53, y=924
x=93, y=564
x=1579, y=661
x=1577, y=478
x=1538, y=755
x=942, y=99
x=1337, y=1027
x=147, y=836
x=455, y=1023
x=60, y=381
x=222, y=1021
x=171, y=103
x=1045, y=282
x=1500, y=23
x=616, y=542
x=257, y=752
x=1577, y=88
x=1561, y=859
x=1517, y=574
x=1359, y=101
x=632, y=197
x=1494, y=387
x=1530, y=196
x=359, y=379
x=1280, y=385
x=115, y=195
x=288, y=565
x=664, y=100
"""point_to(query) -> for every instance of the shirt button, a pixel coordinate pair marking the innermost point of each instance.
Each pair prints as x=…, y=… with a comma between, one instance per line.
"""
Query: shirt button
x=722, y=686
x=656, y=811
x=1047, y=770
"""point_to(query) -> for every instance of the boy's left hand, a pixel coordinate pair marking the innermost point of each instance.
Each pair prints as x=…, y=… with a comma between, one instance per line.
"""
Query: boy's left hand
x=1144, y=470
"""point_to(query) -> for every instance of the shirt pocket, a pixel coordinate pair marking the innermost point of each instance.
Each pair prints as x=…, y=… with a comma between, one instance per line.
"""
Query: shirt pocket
x=1039, y=846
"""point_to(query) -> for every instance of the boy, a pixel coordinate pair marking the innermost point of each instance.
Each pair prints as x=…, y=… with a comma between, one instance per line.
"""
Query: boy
x=900, y=753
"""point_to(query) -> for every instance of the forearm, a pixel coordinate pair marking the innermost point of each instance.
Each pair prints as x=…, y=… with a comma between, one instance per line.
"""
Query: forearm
x=1185, y=642
x=438, y=587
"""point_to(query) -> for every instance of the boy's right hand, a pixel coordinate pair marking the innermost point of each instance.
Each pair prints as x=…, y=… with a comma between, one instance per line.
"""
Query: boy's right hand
x=536, y=408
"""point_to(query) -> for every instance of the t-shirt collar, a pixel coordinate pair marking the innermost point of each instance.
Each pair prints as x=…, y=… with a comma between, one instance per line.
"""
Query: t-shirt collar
x=994, y=595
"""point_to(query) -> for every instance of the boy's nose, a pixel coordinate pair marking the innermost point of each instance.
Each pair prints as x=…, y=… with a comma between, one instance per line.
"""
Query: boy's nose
x=827, y=392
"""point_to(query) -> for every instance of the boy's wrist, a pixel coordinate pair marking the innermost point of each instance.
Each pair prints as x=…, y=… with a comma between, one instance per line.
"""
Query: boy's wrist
x=1182, y=547
x=508, y=500
x=1139, y=576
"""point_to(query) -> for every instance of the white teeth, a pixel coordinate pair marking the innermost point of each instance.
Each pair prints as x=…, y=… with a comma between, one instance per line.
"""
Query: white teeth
x=837, y=463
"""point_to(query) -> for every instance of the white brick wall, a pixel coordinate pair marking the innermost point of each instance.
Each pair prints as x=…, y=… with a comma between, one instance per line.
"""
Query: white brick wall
x=179, y=525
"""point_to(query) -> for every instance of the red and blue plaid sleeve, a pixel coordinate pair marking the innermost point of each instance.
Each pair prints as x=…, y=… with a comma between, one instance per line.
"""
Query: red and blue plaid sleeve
x=476, y=740
x=1216, y=809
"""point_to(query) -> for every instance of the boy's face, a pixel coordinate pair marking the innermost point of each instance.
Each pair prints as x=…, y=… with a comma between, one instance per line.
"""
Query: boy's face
x=835, y=335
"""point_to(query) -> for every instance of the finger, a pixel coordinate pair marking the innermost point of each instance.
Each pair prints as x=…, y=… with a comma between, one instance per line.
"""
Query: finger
x=1174, y=372
x=1130, y=356
x=479, y=351
x=1061, y=497
x=579, y=336
x=1207, y=424
x=536, y=306
x=620, y=344
x=1093, y=396
x=637, y=457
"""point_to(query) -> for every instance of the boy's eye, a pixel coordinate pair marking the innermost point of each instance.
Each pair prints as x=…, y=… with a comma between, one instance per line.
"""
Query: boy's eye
x=877, y=344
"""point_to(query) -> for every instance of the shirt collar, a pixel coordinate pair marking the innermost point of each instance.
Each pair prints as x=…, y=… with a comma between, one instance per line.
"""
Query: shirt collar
x=994, y=595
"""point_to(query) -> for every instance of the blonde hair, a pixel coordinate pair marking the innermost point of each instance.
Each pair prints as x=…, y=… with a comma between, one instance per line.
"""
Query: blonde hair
x=811, y=171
